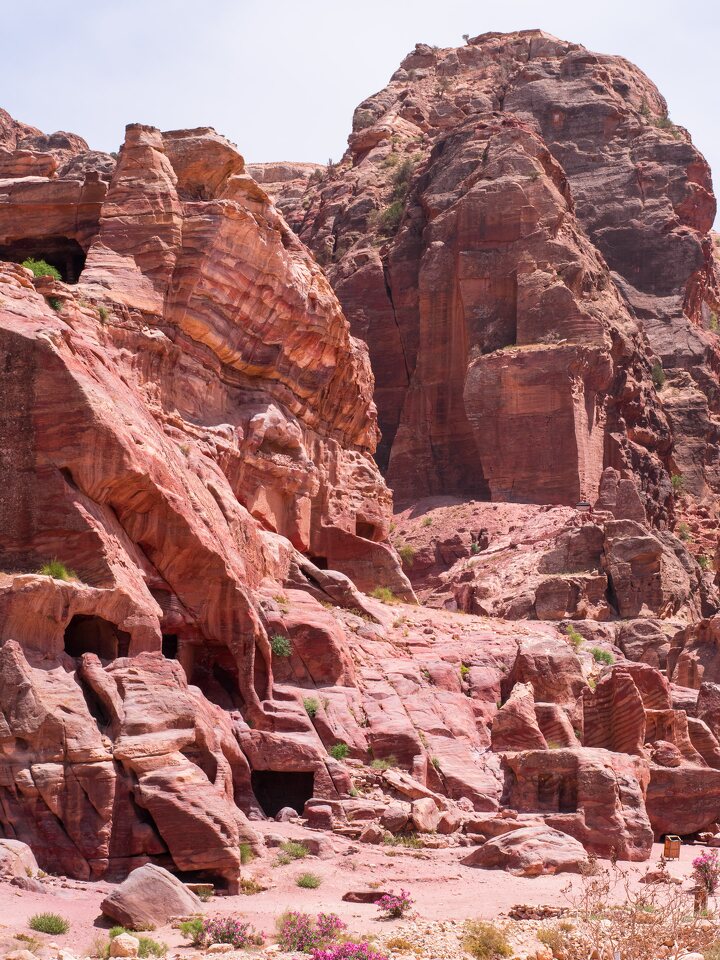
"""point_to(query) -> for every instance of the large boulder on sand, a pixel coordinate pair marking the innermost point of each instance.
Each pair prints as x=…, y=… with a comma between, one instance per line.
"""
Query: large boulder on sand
x=530, y=852
x=148, y=898
x=16, y=860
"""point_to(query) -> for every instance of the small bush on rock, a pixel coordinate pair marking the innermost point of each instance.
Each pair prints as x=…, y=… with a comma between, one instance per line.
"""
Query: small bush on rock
x=57, y=570
x=294, y=850
x=49, y=923
x=575, y=638
x=406, y=554
x=394, y=905
x=383, y=763
x=485, y=941
x=383, y=594
x=41, y=268
x=338, y=751
x=602, y=656
x=281, y=646
x=311, y=706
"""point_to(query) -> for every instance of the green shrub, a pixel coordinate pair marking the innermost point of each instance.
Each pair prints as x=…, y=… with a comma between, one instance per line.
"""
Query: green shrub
x=464, y=671
x=574, y=636
x=246, y=853
x=48, y=923
x=602, y=656
x=311, y=706
x=116, y=931
x=384, y=594
x=406, y=554
x=485, y=941
x=384, y=763
x=703, y=562
x=103, y=313
x=294, y=850
x=41, y=268
x=57, y=570
x=339, y=751
x=309, y=881
x=678, y=483
x=658, y=376
x=151, y=948
x=401, y=179
x=427, y=521
x=192, y=930
x=388, y=219
x=683, y=531
x=55, y=304
x=713, y=324
x=411, y=840
x=435, y=761
x=281, y=646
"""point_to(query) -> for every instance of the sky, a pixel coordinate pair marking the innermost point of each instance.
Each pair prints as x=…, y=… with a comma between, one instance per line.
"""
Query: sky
x=281, y=78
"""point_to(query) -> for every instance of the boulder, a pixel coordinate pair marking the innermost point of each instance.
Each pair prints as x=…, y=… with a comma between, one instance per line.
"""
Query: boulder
x=425, y=815
x=124, y=945
x=149, y=897
x=530, y=852
x=16, y=860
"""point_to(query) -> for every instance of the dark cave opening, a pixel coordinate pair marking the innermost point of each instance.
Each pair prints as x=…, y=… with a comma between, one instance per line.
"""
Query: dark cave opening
x=90, y=634
x=170, y=646
x=368, y=531
x=64, y=254
x=214, y=671
x=275, y=789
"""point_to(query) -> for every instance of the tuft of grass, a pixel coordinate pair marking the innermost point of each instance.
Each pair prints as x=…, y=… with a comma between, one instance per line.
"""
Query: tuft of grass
x=384, y=763
x=281, y=646
x=464, y=671
x=311, y=706
x=294, y=850
x=406, y=554
x=192, y=930
x=338, y=751
x=151, y=948
x=683, y=531
x=384, y=594
x=602, y=656
x=703, y=562
x=57, y=570
x=103, y=313
x=411, y=840
x=51, y=923
x=401, y=944
x=575, y=638
x=41, y=268
x=388, y=219
x=55, y=303
x=246, y=854
x=435, y=761
x=249, y=887
x=485, y=941
x=555, y=938
x=427, y=521
x=308, y=881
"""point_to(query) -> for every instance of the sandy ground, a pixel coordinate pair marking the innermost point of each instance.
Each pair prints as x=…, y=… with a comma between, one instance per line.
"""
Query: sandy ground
x=443, y=889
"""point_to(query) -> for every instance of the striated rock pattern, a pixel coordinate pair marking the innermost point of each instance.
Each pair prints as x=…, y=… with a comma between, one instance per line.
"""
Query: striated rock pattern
x=522, y=236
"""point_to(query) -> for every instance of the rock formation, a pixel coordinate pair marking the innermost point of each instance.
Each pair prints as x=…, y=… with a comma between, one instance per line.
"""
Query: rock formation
x=208, y=613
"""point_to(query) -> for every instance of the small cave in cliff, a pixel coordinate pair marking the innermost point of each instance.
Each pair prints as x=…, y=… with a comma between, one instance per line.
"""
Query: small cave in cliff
x=64, y=254
x=89, y=634
x=366, y=530
x=214, y=671
x=170, y=646
x=275, y=789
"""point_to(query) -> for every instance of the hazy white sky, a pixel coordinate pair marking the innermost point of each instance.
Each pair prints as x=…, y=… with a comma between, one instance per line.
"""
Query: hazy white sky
x=281, y=77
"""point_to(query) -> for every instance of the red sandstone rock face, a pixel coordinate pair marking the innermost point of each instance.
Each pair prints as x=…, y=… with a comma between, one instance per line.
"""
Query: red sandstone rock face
x=519, y=232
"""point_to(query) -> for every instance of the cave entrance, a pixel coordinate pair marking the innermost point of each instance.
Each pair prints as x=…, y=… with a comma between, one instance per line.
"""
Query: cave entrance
x=275, y=789
x=88, y=634
x=64, y=254
x=367, y=531
x=170, y=646
x=557, y=793
x=214, y=670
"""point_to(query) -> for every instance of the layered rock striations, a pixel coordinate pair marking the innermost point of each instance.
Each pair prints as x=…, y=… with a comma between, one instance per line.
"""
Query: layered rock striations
x=521, y=235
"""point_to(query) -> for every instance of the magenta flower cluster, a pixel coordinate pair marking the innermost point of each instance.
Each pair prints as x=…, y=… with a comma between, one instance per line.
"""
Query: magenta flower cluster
x=395, y=904
x=706, y=870
x=228, y=930
x=300, y=931
x=348, y=951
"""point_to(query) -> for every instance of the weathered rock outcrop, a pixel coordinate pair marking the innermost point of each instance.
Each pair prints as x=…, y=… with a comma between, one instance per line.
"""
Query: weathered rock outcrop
x=521, y=234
